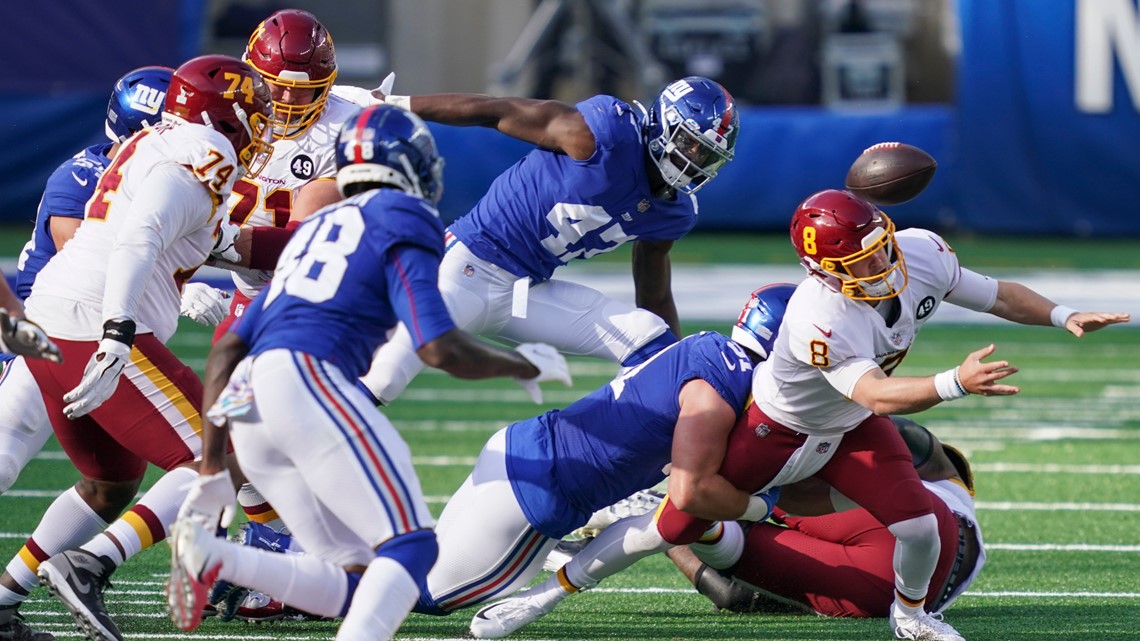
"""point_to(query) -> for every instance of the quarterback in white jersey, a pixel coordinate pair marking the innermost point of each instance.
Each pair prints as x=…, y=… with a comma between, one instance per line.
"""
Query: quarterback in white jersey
x=110, y=299
x=822, y=396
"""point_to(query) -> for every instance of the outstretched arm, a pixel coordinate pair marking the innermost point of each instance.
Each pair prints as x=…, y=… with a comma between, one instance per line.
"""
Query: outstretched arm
x=1017, y=303
x=549, y=124
x=884, y=394
x=652, y=281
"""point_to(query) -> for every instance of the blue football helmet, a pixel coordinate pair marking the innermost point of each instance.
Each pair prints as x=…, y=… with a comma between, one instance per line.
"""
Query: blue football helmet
x=137, y=101
x=759, y=322
x=691, y=132
x=389, y=145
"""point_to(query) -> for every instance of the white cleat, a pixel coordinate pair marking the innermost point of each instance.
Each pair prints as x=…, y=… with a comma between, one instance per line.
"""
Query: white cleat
x=195, y=560
x=925, y=627
x=505, y=617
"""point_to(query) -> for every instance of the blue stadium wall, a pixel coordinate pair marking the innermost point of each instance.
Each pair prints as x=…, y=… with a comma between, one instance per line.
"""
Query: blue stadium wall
x=1044, y=136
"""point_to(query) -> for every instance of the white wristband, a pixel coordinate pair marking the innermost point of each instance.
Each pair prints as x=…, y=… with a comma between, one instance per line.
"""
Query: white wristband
x=403, y=102
x=949, y=386
x=1060, y=314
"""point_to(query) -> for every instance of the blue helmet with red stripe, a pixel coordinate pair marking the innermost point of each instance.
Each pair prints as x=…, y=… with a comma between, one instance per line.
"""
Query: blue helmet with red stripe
x=759, y=321
x=691, y=132
x=388, y=146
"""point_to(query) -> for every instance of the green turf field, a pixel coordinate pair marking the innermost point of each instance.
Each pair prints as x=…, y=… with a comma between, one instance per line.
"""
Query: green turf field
x=1057, y=470
x=1057, y=476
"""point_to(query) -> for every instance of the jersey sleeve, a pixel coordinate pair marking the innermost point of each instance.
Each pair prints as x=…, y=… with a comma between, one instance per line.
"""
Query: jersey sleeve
x=69, y=189
x=839, y=352
x=413, y=290
x=974, y=291
x=725, y=366
x=610, y=120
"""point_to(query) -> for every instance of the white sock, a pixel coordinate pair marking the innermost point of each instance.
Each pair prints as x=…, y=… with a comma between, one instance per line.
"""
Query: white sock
x=383, y=599
x=724, y=548
x=615, y=549
x=68, y=522
x=302, y=581
x=916, y=555
x=147, y=522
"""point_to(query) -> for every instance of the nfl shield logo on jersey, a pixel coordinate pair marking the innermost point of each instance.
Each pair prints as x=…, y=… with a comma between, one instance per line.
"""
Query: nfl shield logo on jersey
x=822, y=448
x=761, y=430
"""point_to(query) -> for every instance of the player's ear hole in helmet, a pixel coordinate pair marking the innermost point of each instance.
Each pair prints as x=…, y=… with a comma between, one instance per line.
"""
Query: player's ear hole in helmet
x=691, y=132
x=386, y=146
x=759, y=322
x=849, y=244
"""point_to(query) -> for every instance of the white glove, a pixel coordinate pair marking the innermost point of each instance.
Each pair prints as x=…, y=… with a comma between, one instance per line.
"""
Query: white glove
x=204, y=305
x=210, y=501
x=100, y=378
x=551, y=365
x=22, y=337
x=224, y=245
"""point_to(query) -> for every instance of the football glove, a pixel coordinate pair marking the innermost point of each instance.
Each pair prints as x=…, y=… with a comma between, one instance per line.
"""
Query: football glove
x=22, y=337
x=210, y=501
x=204, y=305
x=224, y=245
x=101, y=376
x=551, y=365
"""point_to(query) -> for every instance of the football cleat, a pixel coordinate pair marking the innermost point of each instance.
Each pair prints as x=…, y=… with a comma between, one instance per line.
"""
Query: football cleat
x=195, y=560
x=505, y=617
x=925, y=627
x=13, y=628
x=635, y=505
x=79, y=578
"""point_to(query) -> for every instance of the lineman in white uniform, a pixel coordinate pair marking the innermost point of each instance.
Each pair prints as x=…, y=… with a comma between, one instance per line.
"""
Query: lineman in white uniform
x=110, y=299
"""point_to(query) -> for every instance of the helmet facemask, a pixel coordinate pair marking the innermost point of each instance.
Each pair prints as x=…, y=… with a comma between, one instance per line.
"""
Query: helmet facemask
x=291, y=120
x=867, y=274
x=686, y=157
x=255, y=155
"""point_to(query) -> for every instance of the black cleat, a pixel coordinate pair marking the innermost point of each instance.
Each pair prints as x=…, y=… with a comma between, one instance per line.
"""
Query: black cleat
x=79, y=578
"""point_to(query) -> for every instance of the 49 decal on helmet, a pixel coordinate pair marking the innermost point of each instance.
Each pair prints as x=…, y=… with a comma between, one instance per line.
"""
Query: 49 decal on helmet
x=850, y=245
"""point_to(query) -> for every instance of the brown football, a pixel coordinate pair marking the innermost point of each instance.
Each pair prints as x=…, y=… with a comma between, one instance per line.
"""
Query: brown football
x=890, y=173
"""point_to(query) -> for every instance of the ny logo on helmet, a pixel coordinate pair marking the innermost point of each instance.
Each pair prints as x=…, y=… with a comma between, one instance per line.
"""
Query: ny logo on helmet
x=677, y=90
x=147, y=99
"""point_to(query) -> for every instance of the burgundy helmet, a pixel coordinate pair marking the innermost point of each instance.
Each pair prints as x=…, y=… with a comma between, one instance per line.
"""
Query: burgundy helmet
x=228, y=95
x=838, y=238
x=294, y=52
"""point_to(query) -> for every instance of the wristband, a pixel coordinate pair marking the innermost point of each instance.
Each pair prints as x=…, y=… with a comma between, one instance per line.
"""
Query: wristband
x=1060, y=314
x=949, y=385
x=120, y=330
x=757, y=510
x=403, y=102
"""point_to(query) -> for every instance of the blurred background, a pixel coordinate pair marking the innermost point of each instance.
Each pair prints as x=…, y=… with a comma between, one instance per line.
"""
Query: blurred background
x=1031, y=107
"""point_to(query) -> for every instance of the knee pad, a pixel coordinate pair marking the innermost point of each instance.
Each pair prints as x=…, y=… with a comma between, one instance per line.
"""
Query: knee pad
x=919, y=530
x=415, y=551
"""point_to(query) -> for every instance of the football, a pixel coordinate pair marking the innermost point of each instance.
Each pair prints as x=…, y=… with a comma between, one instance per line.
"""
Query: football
x=890, y=173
